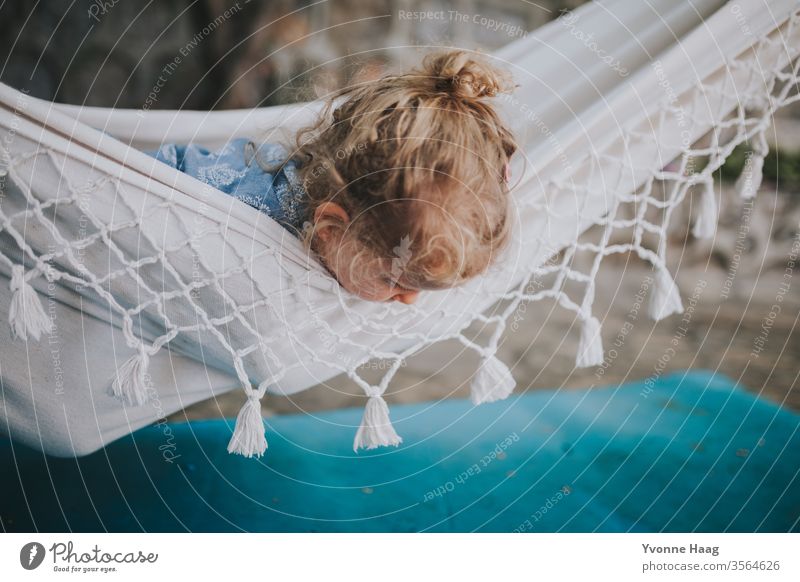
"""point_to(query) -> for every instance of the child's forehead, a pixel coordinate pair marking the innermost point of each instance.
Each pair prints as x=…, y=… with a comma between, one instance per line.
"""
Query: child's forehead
x=395, y=267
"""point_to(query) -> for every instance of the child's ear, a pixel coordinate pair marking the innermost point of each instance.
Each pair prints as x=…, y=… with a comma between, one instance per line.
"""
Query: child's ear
x=330, y=210
x=333, y=210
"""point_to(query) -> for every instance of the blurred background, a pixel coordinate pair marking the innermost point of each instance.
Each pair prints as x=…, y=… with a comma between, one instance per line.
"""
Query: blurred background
x=212, y=54
x=236, y=54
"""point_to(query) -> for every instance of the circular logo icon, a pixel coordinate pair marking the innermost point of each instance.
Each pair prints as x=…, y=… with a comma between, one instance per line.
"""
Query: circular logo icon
x=31, y=555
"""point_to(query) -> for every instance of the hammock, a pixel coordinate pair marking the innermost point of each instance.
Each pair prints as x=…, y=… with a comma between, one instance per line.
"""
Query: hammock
x=136, y=290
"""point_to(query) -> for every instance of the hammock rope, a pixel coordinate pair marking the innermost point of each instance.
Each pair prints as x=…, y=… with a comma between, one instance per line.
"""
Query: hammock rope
x=170, y=264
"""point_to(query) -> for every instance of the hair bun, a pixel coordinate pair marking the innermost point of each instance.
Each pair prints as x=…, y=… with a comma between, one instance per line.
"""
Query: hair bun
x=464, y=75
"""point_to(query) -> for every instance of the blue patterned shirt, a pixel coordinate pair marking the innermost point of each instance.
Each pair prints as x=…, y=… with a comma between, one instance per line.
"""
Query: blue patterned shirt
x=241, y=168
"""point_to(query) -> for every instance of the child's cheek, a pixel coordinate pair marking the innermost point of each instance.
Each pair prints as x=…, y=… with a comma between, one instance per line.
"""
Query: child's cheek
x=374, y=291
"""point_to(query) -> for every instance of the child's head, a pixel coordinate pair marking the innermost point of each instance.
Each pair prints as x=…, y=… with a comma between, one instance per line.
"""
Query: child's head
x=407, y=179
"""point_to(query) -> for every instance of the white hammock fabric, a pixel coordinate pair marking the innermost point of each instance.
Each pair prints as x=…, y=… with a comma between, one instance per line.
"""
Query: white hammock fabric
x=136, y=290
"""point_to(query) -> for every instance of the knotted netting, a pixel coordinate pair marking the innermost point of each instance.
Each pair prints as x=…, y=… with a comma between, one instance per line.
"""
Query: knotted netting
x=90, y=227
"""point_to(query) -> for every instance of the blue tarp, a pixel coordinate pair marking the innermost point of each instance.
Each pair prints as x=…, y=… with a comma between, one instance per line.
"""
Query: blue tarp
x=689, y=452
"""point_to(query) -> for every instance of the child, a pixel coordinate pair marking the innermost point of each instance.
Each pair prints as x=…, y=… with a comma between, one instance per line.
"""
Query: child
x=403, y=188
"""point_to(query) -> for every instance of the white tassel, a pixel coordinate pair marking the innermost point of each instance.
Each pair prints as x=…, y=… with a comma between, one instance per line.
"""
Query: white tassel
x=493, y=381
x=376, y=429
x=249, y=435
x=749, y=180
x=590, y=348
x=26, y=315
x=665, y=297
x=706, y=222
x=130, y=383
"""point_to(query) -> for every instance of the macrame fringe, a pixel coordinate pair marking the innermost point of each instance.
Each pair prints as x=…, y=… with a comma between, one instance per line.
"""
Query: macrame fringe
x=708, y=215
x=665, y=297
x=493, y=381
x=590, y=348
x=376, y=429
x=26, y=315
x=130, y=383
x=249, y=435
x=749, y=180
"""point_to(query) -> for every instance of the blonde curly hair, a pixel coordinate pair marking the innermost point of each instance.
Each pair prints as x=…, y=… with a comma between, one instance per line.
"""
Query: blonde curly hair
x=419, y=158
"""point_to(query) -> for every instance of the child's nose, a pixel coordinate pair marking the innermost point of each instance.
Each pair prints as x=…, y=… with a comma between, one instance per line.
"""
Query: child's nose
x=407, y=297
